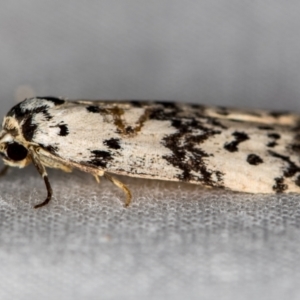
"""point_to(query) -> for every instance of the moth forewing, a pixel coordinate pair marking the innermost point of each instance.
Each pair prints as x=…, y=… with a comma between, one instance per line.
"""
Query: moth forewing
x=252, y=151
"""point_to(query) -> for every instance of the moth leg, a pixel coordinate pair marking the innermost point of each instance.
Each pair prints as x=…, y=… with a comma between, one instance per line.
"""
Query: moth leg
x=122, y=186
x=4, y=170
x=41, y=169
x=97, y=178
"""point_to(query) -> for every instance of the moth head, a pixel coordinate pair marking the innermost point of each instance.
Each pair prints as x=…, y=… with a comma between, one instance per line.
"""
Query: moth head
x=14, y=152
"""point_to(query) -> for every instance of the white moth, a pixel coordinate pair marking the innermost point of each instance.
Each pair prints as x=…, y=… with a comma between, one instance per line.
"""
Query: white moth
x=250, y=151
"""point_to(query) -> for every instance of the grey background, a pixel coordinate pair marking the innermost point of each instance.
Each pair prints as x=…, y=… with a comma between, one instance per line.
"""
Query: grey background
x=175, y=241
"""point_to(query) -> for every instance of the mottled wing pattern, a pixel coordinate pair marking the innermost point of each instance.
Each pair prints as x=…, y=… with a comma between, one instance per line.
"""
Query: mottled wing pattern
x=251, y=151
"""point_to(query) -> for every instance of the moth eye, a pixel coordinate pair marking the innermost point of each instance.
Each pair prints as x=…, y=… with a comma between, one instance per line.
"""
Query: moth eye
x=16, y=152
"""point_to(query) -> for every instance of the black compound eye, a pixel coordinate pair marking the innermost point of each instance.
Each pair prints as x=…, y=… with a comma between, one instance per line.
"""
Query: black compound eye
x=16, y=151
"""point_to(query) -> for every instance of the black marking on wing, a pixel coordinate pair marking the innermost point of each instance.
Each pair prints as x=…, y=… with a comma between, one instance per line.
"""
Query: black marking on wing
x=20, y=113
x=163, y=114
x=16, y=111
x=274, y=137
x=272, y=144
x=55, y=100
x=50, y=148
x=28, y=128
x=112, y=143
x=64, y=131
x=26, y=117
x=166, y=111
x=129, y=130
x=100, y=158
x=291, y=169
x=94, y=109
x=186, y=154
x=265, y=127
x=279, y=186
x=254, y=159
x=239, y=138
x=176, y=123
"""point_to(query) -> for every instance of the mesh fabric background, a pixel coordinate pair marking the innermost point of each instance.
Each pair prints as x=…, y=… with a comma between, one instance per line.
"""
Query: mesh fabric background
x=175, y=240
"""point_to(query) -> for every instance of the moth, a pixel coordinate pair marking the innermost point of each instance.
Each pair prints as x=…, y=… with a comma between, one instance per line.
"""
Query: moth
x=252, y=151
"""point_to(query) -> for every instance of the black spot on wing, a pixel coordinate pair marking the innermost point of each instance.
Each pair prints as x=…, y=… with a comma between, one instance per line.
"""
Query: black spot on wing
x=64, y=131
x=279, y=186
x=254, y=159
x=100, y=158
x=55, y=100
x=272, y=144
x=239, y=138
x=112, y=143
x=274, y=136
x=93, y=109
x=231, y=147
x=297, y=181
